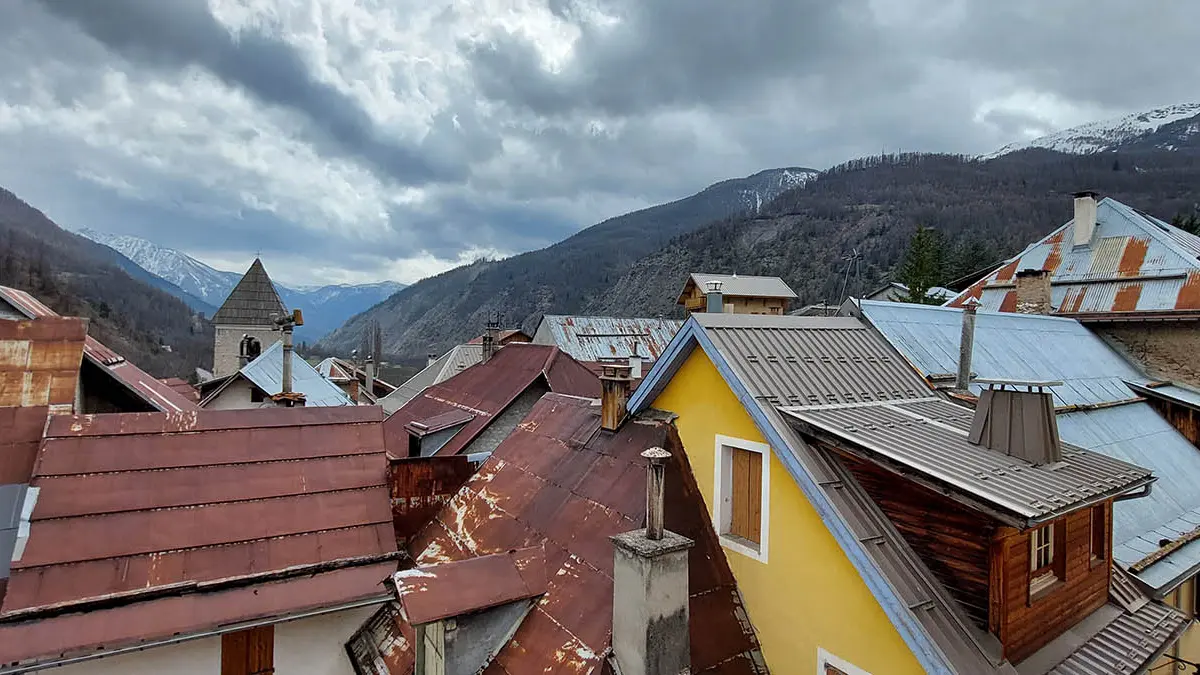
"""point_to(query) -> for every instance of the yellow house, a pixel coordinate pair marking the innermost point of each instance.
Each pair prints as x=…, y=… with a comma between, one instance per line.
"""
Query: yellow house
x=829, y=583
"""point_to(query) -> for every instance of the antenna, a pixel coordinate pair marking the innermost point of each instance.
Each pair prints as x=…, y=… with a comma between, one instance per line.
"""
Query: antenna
x=852, y=261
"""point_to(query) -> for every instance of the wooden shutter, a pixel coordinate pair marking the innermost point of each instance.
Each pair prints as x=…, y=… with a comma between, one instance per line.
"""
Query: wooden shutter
x=248, y=652
x=746, y=516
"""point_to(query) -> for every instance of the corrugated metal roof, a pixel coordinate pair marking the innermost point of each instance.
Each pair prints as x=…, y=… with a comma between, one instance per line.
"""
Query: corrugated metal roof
x=592, y=338
x=153, y=391
x=1130, y=643
x=25, y=303
x=741, y=286
x=487, y=389
x=154, y=500
x=266, y=372
x=1036, y=347
x=1008, y=345
x=929, y=437
x=445, y=590
x=560, y=483
x=253, y=301
x=447, y=366
x=1134, y=263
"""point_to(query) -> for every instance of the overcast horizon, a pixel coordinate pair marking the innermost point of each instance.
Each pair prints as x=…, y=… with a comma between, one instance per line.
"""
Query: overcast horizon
x=353, y=142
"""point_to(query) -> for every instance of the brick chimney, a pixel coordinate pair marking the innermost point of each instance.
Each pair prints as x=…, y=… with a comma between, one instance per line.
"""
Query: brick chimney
x=650, y=589
x=614, y=394
x=1033, y=291
x=1085, y=217
x=715, y=303
x=1017, y=418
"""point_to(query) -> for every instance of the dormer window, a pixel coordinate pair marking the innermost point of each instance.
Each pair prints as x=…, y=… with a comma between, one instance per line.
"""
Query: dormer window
x=1041, y=559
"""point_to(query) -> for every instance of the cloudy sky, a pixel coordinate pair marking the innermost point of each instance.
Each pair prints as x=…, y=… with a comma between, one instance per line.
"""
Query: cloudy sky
x=359, y=140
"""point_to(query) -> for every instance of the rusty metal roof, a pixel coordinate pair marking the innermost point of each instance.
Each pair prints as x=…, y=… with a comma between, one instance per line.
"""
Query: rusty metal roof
x=444, y=590
x=25, y=303
x=430, y=425
x=443, y=368
x=561, y=483
x=340, y=370
x=39, y=361
x=253, y=302
x=927, y=439
x=132, y=505
x=504, y=337
x=1134, y=263
x=183, y=388
x=592, y=338
x=153, y=391
x=487, y=389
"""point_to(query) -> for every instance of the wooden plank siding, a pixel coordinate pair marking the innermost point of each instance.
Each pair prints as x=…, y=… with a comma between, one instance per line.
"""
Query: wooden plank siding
x=746, y=481
x=953, y=541
x=697, y=301
x=1185, y=420
x=1025, y=624
x=248, y=652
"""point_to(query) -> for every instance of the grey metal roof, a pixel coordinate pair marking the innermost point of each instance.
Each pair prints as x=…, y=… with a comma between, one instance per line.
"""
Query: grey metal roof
x=1008, y=345
x=1135, y=262
x=12, y=500
x=447, y=366
x=592, y=338
x=266, y=372
x=1169, y=392
x=794, y=360
x=252, y=301
x=1129, y=643
x=928, y=437
x=738, y=285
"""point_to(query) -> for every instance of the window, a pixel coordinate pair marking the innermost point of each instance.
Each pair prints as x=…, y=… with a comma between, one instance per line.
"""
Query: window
x=1099, y=538
x=256, y=394
x=1041, y=558
x=740, y=506
x=828, y=664
x=248, y=652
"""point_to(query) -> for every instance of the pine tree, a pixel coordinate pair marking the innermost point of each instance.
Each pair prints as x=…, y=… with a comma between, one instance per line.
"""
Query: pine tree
x=923, y=266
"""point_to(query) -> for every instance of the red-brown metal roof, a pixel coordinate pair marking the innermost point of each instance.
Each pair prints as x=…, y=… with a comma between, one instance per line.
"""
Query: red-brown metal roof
x=441, y=591
x=26, y=303
x=20, y=435
x=183, y=388
x=504, y=337
x=562, y=483
x=132, y=504
x=39, y=361
x=430, y=425
x=486, y=389
x=162, y=396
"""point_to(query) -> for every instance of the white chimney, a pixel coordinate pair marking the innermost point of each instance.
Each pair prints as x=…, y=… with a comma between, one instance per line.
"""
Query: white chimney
x=635, y=363
x=430, y=359
x=1085, y=217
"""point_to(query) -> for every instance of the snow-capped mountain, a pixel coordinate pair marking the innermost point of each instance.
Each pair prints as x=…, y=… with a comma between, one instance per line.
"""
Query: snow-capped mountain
x=1112, y=134
x=325, y=307
x=768, y=185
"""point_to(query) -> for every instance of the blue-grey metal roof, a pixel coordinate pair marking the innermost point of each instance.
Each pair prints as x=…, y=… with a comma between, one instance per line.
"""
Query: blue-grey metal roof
x=594, y=338
x=1040, y=347
x=1007, y=345
x=12, y=498
x=266, y=372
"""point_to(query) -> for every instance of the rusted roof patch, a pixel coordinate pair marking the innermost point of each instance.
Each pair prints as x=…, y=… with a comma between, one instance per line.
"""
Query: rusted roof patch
x=434, y=592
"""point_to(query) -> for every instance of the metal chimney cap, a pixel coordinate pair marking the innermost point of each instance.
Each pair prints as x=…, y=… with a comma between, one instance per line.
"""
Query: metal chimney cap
x=714, y=285
x=971, y=303
x=655, y=455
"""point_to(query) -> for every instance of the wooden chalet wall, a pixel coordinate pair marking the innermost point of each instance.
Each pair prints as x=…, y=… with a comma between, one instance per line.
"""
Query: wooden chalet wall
x=697, y=301
x=1185, y=420
x=953, y=541
x=1026, y=624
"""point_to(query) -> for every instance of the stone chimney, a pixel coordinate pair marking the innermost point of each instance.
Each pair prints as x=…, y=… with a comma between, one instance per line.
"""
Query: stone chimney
x=635, y=362
x=490, y=331
x=650, y=589
x=614, y=394
x=369, y=384
x=1085, y=217
x=715, y=299
x=1017, y=422
x=1033, y=291
x=966, y=345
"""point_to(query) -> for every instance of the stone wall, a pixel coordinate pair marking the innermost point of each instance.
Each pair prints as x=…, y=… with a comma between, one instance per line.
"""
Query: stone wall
x=226, y=346
x=1166, y=351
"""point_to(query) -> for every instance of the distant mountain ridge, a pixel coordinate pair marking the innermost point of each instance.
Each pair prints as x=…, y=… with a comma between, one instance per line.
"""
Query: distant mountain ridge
x=325, y=307
x=1118, y=133
x=436, y=313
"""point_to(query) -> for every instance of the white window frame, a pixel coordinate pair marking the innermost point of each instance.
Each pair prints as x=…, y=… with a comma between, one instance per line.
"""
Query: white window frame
x=722, y=498
x=824, y=658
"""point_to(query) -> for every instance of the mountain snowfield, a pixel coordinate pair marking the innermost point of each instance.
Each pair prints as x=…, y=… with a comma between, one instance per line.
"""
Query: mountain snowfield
x=1106, y=135
x=773, y=183
x=325, y=307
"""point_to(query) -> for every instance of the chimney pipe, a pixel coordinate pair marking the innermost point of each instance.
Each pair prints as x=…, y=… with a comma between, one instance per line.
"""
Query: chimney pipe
x=1085, y=217
x=715, y=300
x=650, y=589
x=490, y=330
x=614, y=394
x=430, y=358
x=635, y=363
x=1033, y=291
x=287, y=358
x=966, y=345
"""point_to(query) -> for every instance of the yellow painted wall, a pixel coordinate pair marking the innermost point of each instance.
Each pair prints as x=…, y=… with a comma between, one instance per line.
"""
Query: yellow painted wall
x=1188, y=647
x=808, y=594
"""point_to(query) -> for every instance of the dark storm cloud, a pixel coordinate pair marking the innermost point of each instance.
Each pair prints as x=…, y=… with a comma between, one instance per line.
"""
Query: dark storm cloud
x=177, y=33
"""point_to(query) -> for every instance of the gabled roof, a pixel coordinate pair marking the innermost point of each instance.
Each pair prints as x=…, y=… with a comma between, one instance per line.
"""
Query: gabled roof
x=592, y=338
x=561, y=484
x=266, y=373
x=158, y=394
x=1134, y=263
x=1030, y=347
x=445, y=367
x=736, y=285
x=253, y=301
x=486, y=390
x=186, y=522
x=340, y=370
x=504, y=337
x=25, y=304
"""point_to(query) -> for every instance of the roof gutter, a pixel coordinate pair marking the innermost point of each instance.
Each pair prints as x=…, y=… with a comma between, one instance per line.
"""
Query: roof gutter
x=177, y=639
